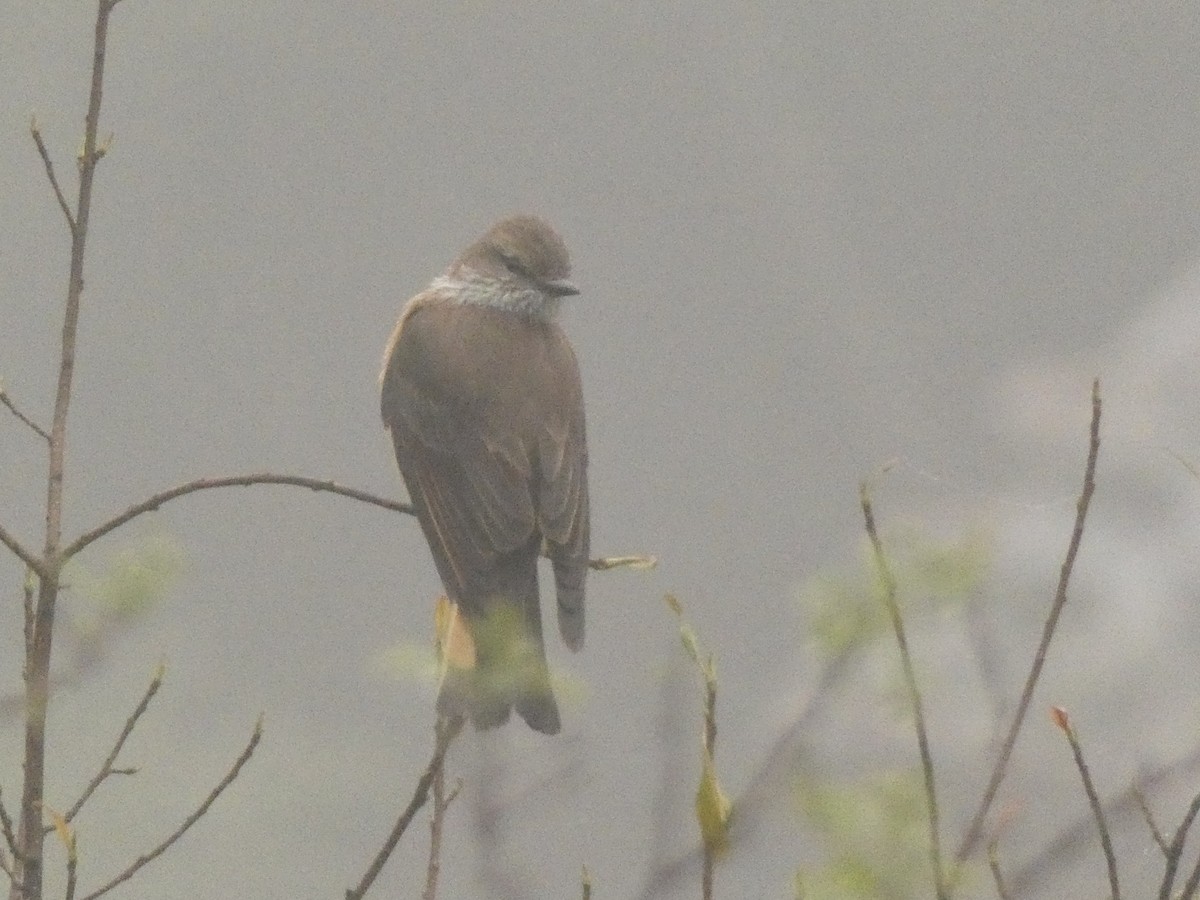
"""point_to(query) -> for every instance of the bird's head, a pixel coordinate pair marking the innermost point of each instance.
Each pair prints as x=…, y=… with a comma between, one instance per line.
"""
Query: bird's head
x=520, y=264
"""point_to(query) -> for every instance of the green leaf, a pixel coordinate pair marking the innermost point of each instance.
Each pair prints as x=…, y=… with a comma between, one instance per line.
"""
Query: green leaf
x=712, y=807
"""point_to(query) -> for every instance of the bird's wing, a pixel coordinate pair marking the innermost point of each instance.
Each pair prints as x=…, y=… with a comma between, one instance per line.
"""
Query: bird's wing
x=562, y=465
x=562, y=501
x=467, y=470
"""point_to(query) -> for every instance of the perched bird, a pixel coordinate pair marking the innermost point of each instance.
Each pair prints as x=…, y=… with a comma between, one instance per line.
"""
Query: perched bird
x=480, y=390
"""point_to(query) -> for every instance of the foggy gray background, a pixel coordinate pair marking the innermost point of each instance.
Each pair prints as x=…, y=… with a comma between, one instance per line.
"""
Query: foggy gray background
x=811, y=237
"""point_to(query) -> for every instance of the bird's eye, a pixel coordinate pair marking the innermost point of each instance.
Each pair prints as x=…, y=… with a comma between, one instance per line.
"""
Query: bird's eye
x=510, y=263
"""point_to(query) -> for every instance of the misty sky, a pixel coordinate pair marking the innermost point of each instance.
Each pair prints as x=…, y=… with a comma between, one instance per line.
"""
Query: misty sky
x=812, y=238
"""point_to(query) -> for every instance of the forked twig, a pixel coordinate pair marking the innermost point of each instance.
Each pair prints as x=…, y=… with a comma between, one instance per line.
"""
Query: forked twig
x=133, y=868
x=41, y=629
x=447, y=731
x=437, y=821
x=106, y=769
x=1148, y=817
x=1175, y=850
x=975, y=829
x=1060, y=849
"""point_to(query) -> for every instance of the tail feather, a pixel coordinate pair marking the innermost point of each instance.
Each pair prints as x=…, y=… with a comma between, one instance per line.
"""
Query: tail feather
x=537, y=706
x=509, y=656
x=459, y=696
x=486, y=694
x=568, y=582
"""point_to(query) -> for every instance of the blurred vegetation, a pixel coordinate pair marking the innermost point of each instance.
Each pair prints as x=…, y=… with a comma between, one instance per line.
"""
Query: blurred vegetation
x=875, y=829
x=128, y=584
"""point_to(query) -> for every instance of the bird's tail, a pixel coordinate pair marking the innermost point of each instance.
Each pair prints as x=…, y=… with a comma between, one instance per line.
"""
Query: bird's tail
x=496, y=661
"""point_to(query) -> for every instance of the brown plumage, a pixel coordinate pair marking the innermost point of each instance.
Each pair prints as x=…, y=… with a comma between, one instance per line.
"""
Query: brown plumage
x=481, y=394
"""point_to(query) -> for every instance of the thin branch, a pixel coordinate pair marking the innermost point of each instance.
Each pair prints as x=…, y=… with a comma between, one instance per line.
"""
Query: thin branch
x=1175, y=851
x=1063, y=721
x=446, y=733
x=1067, y=845
x=22, y=552
x=975, y=829
x=997, y=876
x=8, y=870
x=191, y=820
x=24, y=419
x=1148, y=816
x=914, y=691
x=152, y=503
x=58, y=195
x=37, y=663
x=441, y=803
x=10, y=837
x=1191, y=885
x=72, y=866
x=107, y=768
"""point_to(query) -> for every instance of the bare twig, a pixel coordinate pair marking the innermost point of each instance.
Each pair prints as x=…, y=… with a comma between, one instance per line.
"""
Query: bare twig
x=133, y=868
x=1067, y=845
x=24, y=419
x=433, y=869
x=1148, y=816
x=446, y=734
x=1063, y=721
x=10, y=837
x=997, y=876
x=106, y=769
x=58, y=195
x=975, y=829
x=37, y=668
x=914, y=691
x=1175, y=850
x=441, y=803
x=72, y=866
x=150, y=504
x=7, y=869
x=21, y=551
x=1193, y=882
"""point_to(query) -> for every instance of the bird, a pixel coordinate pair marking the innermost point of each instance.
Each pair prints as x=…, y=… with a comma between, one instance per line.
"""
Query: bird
x=481, y=393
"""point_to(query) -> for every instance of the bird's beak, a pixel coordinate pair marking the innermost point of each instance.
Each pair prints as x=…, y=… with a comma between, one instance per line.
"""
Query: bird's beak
x=560, y=287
